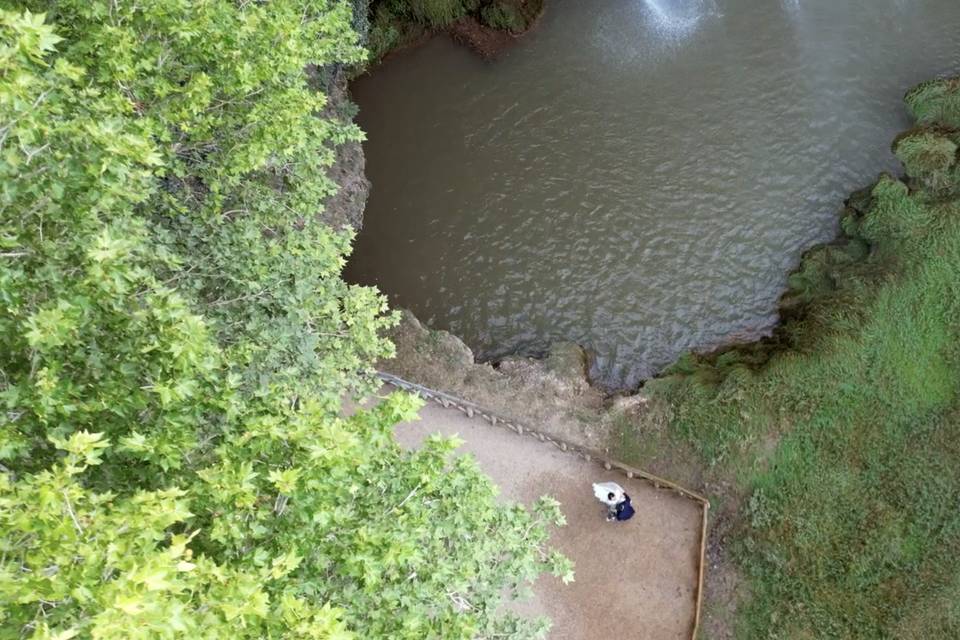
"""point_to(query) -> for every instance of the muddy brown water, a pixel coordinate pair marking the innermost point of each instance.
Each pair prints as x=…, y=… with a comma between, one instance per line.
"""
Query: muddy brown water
x=637, y=176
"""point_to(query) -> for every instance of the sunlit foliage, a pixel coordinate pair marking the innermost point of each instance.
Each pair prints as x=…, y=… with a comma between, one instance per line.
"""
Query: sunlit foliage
x=176, y=342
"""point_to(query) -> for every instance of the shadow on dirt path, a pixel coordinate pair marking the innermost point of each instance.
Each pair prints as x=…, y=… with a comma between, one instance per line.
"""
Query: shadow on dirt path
x=634, y=580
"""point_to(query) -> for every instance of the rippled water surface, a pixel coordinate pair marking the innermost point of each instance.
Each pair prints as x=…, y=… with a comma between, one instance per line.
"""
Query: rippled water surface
x=638, y=176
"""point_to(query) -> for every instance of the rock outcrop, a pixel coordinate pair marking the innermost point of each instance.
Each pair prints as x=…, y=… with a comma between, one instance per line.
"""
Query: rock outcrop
x=553, y=393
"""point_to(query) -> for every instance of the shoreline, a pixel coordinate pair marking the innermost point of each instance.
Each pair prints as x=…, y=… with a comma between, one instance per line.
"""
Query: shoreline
x=469, y=31
x=793, y=307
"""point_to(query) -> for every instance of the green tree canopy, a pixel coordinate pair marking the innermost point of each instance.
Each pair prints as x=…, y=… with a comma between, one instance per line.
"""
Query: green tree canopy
x=176, y=340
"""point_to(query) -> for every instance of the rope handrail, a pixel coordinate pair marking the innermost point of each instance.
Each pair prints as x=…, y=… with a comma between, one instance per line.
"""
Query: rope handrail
x=474, y=410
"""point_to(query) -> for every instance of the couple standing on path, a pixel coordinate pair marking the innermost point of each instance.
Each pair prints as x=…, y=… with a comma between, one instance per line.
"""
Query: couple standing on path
x=616, y=499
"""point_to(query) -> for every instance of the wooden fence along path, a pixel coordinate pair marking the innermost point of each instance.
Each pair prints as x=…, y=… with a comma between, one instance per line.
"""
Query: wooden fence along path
x=473, y=410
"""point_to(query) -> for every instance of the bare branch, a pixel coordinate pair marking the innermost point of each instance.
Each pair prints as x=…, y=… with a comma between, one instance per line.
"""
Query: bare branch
x=73, y=516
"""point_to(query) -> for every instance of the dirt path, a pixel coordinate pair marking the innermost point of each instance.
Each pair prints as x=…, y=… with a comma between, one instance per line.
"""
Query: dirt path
x=634, y=580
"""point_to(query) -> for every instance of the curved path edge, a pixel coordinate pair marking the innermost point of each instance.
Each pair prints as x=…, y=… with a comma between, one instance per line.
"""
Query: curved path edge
x=473, y=410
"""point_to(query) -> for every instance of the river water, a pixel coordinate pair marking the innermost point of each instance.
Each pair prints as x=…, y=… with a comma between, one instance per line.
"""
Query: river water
x=637, y=176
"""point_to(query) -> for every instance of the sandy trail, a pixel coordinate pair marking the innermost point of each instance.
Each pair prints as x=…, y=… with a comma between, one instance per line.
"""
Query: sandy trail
x=634, y=580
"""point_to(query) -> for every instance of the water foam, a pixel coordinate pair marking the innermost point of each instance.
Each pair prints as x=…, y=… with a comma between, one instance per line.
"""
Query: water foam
x=679, y=17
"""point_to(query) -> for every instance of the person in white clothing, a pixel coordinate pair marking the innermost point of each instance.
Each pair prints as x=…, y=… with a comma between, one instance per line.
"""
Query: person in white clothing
x=616, y=499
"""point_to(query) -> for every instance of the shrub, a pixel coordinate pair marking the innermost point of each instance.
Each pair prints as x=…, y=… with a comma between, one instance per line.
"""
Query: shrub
x=935, y=101
x=929, y=156
x=434, y=13
x=895, y=214
x=384, y=34
x=503, y=16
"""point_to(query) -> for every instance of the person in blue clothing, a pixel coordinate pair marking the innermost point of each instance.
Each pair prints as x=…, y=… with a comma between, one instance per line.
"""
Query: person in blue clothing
x=622, y=511
x=618, y=503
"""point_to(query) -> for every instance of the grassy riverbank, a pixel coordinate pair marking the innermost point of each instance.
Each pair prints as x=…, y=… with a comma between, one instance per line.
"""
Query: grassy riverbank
x=842, y=435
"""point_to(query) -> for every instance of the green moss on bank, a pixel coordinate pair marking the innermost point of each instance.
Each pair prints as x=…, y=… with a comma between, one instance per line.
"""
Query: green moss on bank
x=843, y=431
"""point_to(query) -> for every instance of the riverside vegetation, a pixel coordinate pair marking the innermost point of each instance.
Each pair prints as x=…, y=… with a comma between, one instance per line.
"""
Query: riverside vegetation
x=843, y=432
x=176, y=341
x=396, y=23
